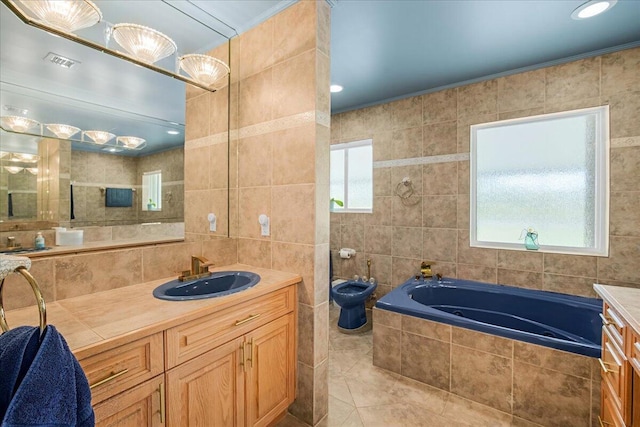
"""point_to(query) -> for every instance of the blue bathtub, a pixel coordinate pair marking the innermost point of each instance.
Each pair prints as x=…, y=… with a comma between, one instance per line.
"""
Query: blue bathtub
x=560, y=321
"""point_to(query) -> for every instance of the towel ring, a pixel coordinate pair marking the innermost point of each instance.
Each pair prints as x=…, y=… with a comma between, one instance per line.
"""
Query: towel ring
x=39, y=298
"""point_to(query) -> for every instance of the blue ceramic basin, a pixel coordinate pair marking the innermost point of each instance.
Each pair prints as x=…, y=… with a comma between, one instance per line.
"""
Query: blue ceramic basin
x=218, y=284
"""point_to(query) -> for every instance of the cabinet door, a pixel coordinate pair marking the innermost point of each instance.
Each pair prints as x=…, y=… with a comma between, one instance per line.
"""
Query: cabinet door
x=208, y=391
x=270, y=376
x=140, y=406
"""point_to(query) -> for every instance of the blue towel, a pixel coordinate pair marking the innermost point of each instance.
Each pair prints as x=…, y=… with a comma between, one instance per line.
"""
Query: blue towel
x=119, y=198
x=41, y=385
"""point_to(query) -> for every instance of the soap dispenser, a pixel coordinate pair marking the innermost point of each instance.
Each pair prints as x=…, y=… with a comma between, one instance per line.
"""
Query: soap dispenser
x=39, y=243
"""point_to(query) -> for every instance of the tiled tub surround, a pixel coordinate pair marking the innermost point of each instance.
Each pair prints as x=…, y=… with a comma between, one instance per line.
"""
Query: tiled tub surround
x=543, y=386
x=426, y=137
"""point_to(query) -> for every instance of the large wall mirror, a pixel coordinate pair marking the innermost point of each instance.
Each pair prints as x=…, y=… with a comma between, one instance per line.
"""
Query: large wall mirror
x=52, y=80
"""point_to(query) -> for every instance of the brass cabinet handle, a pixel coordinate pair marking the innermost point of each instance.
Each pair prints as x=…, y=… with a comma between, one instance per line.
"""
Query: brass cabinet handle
x=605, y=320
x=111, y=377
x=603, y=423
x=162, y=402
x=248, y=319
x=604, y=366
x=244, y=367
x=250, y=359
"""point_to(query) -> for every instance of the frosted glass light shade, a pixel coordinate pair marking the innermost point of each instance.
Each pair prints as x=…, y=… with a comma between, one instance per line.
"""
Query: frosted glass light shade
x=65, y=15
x=143, y=43
x=99, y=136
x=63, y=131
x=130, y=142
x=32, y=171
x=14, y=169
x=24, y=158
x=18, y=123
x=204, y=69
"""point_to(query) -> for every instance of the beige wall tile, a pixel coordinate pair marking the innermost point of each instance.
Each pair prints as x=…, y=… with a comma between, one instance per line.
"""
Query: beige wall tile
x=294, y=76
x=620, y=71
x=625, y=169
x=352, y=126
x=463, y=211
x=478, y=99
x=521, y=91
x=255, y=161
x=520, y=260
x=387, y=318
x=378, y=239
x=382, y=182
x=353, y=237
x=407, y=143
x=573, y=265
x=167, y=260
x=219, y=118
x=624, y=109
x=295, y=30
x=440, y=178
x=562, y=361
x=521, y=279
x=407, y=242
x=386, y=348
x=296, y=258
x=302, y=407
x=413, y=172
x=477, y=256
x=433, y=370
x=306, y=334
x=218, y=166
x=335, y=128
x=406, y=113
x=440, y=106
x=426, y=328
x=293, y=150
x=582, y=286
x=381, y=214
x=254, y=252
x=256, y=52
x=440, y=138
x=406, y=215
x=403, y=269
x=622, y=263
x=439, y=244
x=477, y=272
x=483, y=377
x=377, y=119
x=506, y=115
x=17, y=293
x=383, y=148
x=321, y=389
x=220, y=251
x=321, y=274
x=256, y=98
x=573, y=80
x=380, y=269
x=624, y=219
x=440, y=211
x=197, y=117
x=290, y=205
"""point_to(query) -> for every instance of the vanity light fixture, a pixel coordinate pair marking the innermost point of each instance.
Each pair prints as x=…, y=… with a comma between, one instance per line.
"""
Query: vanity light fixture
x=65, y=15
x=14, y=169
x=143, y=43
x=2, y=154
x=32, y=171
x=100, y=137
x=204, y=69
x=130, y=142
x=24, y=157
x=63, y=131
x=17, y=123
x=592, y=8
x=335, y=88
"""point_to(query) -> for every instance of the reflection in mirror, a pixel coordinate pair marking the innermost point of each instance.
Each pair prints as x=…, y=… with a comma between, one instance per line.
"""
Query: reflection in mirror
x=98, y=92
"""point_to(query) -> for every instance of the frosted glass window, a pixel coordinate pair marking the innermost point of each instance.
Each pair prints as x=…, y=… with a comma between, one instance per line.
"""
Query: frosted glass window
x=351, y=168
x=548, y=173
x=152, y=191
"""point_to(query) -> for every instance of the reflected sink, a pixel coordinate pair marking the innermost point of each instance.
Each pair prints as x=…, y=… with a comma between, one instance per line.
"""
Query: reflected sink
x=218, y=284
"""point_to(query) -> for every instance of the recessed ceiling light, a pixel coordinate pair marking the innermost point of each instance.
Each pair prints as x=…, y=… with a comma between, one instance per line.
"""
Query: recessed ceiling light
x=335, y=88
x=173, y=132
x=592, y=8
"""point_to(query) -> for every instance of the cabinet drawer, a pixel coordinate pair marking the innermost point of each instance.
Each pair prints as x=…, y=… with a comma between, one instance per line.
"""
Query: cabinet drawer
x=612, y=321
x=138, y=407
x=191, y=339
x=634, y=358
x=123, y=367
x=610, y=416
x=612, y=364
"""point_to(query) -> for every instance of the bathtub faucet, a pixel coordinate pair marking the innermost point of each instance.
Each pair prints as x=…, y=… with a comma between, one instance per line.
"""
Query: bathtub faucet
x=425, y=270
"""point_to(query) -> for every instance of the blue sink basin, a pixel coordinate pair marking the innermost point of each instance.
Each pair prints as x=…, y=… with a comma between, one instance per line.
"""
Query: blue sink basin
x=217, y=285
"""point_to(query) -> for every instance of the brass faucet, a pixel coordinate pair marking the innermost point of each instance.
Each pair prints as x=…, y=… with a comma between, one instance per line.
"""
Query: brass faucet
x=199, y=268
x=425, y=270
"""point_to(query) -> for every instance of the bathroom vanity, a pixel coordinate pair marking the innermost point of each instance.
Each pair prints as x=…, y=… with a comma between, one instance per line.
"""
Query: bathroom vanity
x=620, y=360
x=227, y=361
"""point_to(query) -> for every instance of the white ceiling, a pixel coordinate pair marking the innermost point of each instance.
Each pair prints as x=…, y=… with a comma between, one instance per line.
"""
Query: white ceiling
x=381, y=50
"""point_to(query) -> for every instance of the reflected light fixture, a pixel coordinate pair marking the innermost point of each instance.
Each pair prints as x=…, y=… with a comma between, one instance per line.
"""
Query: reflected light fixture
x=204, y=69
x=3, y=153
x=173, y=132
x=32, y=171
x=65, y=15
x=592, y=8
x=98, y=136
x=63, y=131
x=143, y=43
x=24, y=158
x=335, y=88
x=17, y=123
x=130, y=142
x=14, y=169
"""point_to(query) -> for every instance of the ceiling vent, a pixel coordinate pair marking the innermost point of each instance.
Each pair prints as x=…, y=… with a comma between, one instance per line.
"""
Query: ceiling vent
x=60, y=60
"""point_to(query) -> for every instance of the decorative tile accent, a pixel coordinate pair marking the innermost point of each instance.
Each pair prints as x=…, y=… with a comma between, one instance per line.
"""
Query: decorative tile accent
x=422, y=160
x=631, y=141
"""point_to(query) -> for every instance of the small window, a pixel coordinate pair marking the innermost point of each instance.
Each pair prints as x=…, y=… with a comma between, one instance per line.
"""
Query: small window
x=352, y=177
x=152, y=191
x=545, y=176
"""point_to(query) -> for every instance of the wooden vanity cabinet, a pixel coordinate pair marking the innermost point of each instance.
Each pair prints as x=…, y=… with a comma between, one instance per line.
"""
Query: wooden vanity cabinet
x=140, y=406
x=620, y=399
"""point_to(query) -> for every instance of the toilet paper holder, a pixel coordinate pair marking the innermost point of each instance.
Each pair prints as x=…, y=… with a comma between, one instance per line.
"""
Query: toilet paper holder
x=346, y=253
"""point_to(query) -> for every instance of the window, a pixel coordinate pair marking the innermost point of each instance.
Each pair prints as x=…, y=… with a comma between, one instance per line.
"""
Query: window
x=152, y=191
x=549, y=173
x=352, y=176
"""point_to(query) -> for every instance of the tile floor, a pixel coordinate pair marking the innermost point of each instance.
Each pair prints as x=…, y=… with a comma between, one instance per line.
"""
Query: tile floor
x=362, y=395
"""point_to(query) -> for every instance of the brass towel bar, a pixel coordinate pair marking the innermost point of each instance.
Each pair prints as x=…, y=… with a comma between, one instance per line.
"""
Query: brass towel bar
x=39, y=298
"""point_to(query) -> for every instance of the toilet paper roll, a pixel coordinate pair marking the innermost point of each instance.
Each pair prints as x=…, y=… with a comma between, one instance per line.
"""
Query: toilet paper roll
x=346, y=253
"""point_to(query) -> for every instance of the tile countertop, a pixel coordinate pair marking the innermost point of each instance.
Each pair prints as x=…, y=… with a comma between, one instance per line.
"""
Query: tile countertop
x=626, y=301
x=102, y=320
